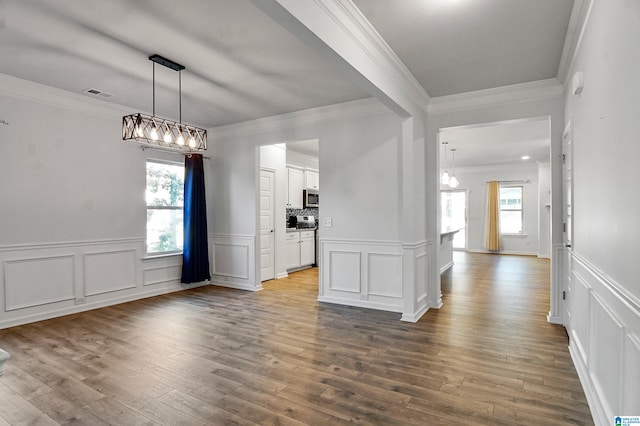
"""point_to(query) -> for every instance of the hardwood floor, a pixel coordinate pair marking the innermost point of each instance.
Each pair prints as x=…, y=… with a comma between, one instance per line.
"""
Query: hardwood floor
x=219, y=356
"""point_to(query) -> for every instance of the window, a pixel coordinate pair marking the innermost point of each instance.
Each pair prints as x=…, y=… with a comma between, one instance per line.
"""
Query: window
x=165, y=199
x=511, y=210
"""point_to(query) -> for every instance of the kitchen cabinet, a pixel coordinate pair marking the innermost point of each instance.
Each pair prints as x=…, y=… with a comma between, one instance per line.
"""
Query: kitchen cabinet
x=307, y=248
x=300, y=249
x=311, y=180
x=295, y=185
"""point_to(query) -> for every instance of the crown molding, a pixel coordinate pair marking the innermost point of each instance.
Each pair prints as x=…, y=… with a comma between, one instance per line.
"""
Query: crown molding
x=524, y=92
x=381, y=54
x=353, y=109
x=575, y=31
x=339, y=31
x=36, y=92
x=499, y=167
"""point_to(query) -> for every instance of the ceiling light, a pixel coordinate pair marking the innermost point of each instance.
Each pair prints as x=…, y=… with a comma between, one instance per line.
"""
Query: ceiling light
x=444, y=177
x=525, y=157
x=453, y=182
x=146, y=129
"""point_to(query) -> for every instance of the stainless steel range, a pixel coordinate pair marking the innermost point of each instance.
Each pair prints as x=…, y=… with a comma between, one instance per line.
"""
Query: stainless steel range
x=305, y=222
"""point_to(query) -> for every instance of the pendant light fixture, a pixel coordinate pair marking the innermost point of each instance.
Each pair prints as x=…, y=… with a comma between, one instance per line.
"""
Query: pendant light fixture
x=453, y=181
x=444, y=177
x=161, y=132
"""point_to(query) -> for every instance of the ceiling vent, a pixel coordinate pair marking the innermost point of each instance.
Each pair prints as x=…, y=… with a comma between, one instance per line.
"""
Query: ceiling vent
x=96, y=92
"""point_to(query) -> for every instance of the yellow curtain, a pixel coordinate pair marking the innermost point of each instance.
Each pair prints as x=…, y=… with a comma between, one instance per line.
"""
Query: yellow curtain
x=492, y=242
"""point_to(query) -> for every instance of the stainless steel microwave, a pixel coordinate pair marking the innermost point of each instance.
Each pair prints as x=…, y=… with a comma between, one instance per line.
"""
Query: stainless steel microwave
x=310, y=198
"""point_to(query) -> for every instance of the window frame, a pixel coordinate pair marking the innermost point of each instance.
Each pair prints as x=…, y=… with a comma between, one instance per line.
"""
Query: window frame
x=521, y=210
x=149, y=207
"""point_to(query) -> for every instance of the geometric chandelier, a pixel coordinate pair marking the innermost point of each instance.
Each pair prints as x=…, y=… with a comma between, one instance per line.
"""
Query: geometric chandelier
x=161, y=132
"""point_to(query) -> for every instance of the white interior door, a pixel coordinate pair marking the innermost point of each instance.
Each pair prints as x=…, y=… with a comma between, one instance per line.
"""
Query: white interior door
x=567, y=213
x=267, y=229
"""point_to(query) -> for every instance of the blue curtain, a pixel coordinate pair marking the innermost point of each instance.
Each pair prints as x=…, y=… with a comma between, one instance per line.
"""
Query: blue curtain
x=195, y=253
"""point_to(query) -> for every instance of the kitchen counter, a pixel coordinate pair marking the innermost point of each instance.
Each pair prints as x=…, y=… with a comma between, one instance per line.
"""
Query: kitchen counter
x=446, y=249
x=300, y=229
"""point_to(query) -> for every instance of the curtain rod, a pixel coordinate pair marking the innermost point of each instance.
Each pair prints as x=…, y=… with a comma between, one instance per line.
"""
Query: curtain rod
x=186, y=154
x=510, y=181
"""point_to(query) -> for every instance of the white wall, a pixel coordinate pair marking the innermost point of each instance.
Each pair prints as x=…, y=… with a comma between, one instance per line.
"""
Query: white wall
x=475, y=180
x=361, y=177
x=604, y=320
x=544, y=210
x=73, y=215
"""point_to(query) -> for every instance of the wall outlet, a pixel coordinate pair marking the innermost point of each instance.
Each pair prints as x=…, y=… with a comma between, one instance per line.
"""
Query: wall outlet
x=79, y=300
x=328, y=222
x=227, y=278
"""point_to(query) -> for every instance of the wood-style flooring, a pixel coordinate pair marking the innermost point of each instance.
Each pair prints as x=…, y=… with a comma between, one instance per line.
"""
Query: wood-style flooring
x=216, y=356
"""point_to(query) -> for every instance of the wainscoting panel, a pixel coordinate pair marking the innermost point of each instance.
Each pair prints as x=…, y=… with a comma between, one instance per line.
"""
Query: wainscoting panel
x=232, y=261
x=344, y=271
x=416, y=265
x=422, y=260
x=604, y=342
x=605, y=354
x=41, y=281
x=106, y=272
x=631, y=376
x=361, y=273
x=38, y=281
x=162, y=271
x=581, y=312
x=384, y=274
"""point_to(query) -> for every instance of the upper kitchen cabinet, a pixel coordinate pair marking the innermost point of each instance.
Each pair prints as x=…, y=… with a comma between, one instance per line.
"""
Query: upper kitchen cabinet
x=295, y=179
x=311, y=180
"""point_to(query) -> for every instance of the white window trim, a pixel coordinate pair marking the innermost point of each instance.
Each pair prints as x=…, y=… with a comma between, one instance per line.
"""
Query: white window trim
x=516, y=234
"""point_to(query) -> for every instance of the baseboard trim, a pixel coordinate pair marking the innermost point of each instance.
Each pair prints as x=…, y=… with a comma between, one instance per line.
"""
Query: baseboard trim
x=507, y=252
x=446, y=267
x=41, y=316
x=360, y=304
x=553, y=319
x=415, y=317
x=237, y=286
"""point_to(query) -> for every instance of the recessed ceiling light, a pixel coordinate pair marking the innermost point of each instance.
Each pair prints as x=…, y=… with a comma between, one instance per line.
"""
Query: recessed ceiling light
x=525, y=157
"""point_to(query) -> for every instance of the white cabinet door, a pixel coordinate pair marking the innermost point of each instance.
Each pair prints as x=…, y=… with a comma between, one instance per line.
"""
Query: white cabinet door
x=293, y=250
x=311, y=180
x=307, y=248
x=295, y=187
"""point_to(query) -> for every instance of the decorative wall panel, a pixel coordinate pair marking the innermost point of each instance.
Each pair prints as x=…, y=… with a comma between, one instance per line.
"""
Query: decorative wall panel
x=38, y=281
x=384, y=274
x=109, y=271
x=344, y=271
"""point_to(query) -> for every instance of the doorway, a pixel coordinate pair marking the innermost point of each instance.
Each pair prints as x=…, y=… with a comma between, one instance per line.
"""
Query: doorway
x=267, y=224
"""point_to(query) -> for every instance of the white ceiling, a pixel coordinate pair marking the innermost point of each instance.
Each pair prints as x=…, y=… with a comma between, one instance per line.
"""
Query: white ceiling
x=497, y=143
x=309, y=147
x=242, y=65
x=458, y=46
